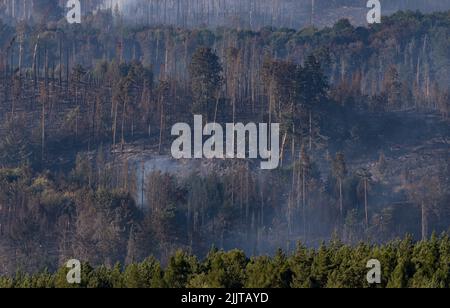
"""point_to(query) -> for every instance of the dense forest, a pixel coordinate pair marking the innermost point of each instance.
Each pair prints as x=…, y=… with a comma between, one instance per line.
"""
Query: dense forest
x=85, y=131
x=405, y=264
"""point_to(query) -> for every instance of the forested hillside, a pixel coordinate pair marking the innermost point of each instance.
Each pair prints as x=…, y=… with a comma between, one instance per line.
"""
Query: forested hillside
x=86, y=113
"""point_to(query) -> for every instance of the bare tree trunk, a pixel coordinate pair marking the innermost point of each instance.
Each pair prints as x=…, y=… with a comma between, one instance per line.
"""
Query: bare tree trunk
x=424, y=222
x=341, y=204
x=60, y=62
x=115, y=122
x=310, y=130
x=282, y=148
x=20, y=54
x=366, y=203
x=43, y=131
x=122, y=143
x=161, y=127
x=304, y=202
x=142, y=184
x=35, y=68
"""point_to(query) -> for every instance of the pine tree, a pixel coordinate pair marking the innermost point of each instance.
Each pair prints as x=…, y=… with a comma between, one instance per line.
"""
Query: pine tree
x=404, y=269
x=300, y=264
x=269, y=273
x=180, y=270
x=320, y=268
x=225, y=269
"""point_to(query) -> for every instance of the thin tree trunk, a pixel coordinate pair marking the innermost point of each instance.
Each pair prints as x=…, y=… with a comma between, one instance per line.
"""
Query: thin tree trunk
x=424, y=222
x=115, y=123
x=43, y=131
x=123, y=125
x=310, y=130
x=161, y=127
x=282, y=148
x=341, y=205
x=366, y=204
x=304, y=202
